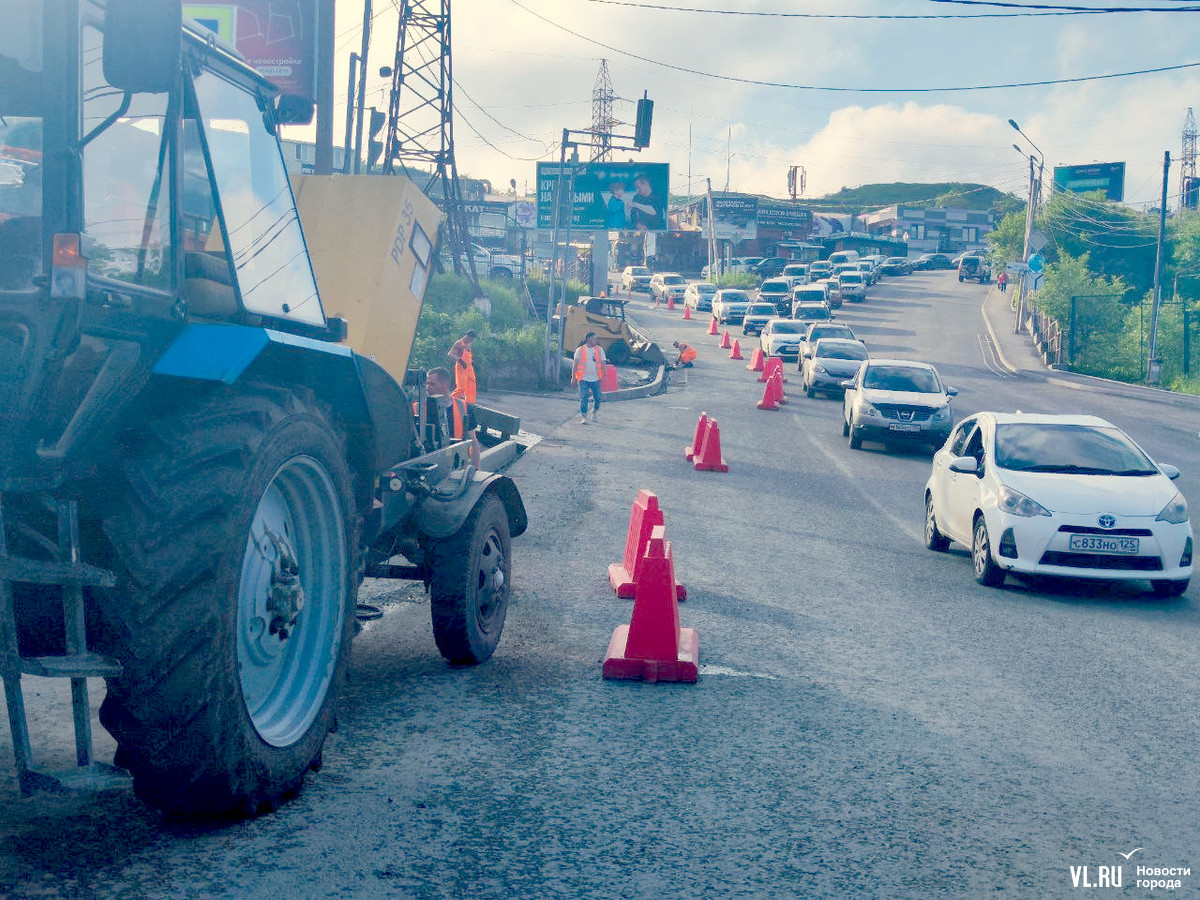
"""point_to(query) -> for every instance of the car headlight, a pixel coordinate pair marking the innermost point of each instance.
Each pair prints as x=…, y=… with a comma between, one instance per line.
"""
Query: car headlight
x=941, y=414
x=1017, y=504
x=817, y=367
x=1174, y=512
x=866, y=409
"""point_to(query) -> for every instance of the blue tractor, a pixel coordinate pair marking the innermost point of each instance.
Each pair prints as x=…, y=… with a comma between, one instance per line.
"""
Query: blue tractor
x=198, y=462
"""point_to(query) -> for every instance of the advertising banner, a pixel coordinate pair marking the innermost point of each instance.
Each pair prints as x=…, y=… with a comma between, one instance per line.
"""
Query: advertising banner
x=1106, y=177
x=277, y=37
x=785, y=216
x=606, y=195
x=735, y=218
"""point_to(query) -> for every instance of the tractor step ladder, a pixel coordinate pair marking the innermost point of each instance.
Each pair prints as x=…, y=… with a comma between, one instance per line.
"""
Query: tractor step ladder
x=77, y=664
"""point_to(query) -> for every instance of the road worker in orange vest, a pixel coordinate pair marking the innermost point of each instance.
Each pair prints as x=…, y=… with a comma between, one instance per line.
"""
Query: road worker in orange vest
x=464, y=367
x=587, y=372
x=687, y=355
x=455, y=415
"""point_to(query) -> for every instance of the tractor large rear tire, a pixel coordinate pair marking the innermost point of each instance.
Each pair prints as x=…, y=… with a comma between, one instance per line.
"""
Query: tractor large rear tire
x=470, y=584
x=228, y=692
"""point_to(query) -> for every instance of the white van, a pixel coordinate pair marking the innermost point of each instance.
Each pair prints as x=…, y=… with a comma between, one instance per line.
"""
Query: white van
x=843, y=256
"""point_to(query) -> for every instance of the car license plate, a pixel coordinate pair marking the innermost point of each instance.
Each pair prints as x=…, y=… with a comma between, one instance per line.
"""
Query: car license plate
x=904, y=426
x=1095, y=543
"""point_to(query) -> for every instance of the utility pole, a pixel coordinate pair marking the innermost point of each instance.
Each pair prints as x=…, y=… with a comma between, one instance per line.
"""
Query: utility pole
x=362, y=86
x=1153, y=363
x=323, y=163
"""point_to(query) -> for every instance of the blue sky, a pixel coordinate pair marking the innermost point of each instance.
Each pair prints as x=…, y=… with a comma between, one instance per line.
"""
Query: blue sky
x=526, y=70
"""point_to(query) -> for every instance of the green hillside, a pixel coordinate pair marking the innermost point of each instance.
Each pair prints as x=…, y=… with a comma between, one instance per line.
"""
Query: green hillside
x=959, y=195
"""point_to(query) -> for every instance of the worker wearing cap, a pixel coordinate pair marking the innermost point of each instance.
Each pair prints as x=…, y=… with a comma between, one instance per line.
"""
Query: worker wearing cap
x=687, y=354
x=464, y=367
x=587, y=372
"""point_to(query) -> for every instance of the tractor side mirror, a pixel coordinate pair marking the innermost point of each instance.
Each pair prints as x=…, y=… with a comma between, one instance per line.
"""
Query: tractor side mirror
x=143, y=44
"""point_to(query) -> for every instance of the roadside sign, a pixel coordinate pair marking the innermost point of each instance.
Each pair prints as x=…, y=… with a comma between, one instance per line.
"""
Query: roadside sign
x=1016, y=268
x=1036, y=263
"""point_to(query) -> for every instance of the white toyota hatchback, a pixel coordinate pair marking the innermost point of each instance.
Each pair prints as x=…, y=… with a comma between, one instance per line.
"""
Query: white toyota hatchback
x=1071, y=496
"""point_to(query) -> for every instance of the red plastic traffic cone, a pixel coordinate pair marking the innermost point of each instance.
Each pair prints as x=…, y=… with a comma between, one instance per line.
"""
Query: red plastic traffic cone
x=768, y=398
x=736, y=352
x=608, y=381
x=709, y=458
x=780, y=396
x=712, y=326
x=687, y=312
x=756, y=361
x=725, y=344
x=653, y=646
x=646, y=516
x=698, y=438
x=671, y=303
x=772, y=366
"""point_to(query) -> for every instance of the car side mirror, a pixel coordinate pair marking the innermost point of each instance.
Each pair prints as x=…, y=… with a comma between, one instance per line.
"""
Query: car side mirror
x=844, y=385
x=968, y=465
x=1170, y=471
x=951, y=392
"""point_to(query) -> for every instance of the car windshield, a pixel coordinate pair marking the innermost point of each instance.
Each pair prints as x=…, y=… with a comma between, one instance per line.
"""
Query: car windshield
x=674, y=279
x=639, y=270
x=820, y=331
x=812, y=312
x=703, y=287
x=848, y=278
x=901, y=378
x=1079, y=449
x=735, y=296
x=761, y=309
x=774, y=287
x=788, y=328
x=840, y=351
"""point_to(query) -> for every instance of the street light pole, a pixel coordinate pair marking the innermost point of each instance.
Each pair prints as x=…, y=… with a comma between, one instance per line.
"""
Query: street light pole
x=1035, y=192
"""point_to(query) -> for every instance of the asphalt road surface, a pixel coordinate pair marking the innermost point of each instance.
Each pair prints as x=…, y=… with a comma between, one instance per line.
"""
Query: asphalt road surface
x=869, y=722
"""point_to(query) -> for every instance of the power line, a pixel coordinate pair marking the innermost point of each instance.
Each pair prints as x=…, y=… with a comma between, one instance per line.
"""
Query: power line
x=1033, y=11
x=854, y=90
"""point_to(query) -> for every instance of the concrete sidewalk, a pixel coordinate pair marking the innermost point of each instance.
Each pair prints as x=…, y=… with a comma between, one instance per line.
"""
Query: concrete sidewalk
x=1017, y=354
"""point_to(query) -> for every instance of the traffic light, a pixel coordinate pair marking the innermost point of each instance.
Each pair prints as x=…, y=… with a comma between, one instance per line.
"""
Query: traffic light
x=641, y=130
x=374, y=147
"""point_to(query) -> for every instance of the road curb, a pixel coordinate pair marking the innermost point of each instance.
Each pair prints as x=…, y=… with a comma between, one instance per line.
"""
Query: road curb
x=987, y=321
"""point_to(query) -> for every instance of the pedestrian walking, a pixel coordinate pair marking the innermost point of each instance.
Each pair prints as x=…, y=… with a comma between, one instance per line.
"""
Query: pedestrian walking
x=1002, y=282
x=464, y=367
x=587, y=373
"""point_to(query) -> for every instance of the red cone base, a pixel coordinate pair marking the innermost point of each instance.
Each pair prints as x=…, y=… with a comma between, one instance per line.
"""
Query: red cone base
x=725, y=342
x=653, y=647
x=671, y=302
x=756, y=361
x=736, y=352
x=687, y=312
x=712, y=326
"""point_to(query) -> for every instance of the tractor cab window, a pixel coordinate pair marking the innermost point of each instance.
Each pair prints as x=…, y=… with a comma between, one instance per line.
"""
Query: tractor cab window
x=21, y=99
x=126, y=184
x=261, y=227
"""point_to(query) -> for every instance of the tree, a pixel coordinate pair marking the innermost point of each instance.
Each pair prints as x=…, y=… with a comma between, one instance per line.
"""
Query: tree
x=1007, y=239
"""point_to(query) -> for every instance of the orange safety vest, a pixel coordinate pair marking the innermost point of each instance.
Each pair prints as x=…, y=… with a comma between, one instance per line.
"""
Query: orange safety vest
x=581, y=361
x=687, y=353
x=464, y=375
